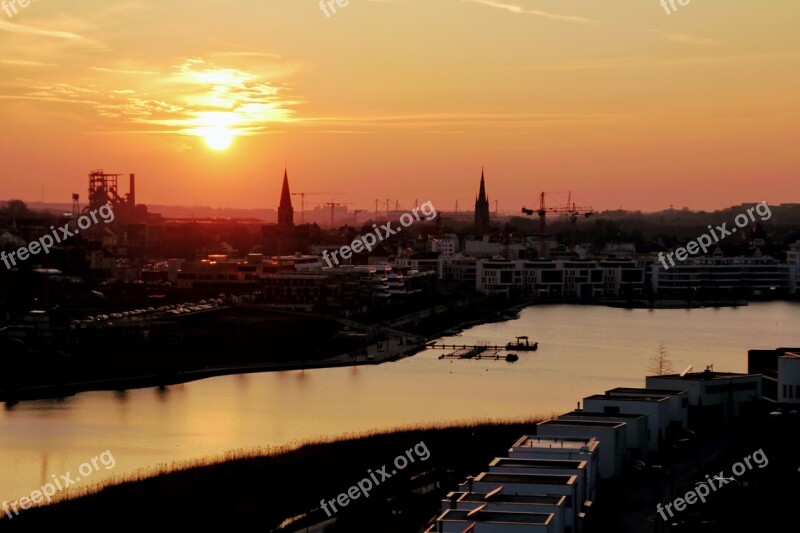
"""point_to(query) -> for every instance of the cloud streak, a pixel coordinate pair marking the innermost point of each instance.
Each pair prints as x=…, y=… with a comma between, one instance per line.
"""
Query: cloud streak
x=21, y=29
x=513, y=8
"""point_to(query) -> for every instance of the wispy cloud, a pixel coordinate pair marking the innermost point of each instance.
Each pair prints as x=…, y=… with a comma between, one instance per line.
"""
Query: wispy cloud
x=690, y=39
x=126, y=72
x=719, y=59
x=597, y=64
x=436, y=121
x=22, y=29
x=513, y=8
x=188, y=99
x=24, y=63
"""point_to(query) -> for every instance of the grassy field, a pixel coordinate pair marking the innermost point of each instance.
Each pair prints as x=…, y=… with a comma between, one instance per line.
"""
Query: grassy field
x=262, y=489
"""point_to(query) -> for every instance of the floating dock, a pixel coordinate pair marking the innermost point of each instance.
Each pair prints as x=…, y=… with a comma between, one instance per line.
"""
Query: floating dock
x=473, y=352
x=482, y=347
x=478, y=351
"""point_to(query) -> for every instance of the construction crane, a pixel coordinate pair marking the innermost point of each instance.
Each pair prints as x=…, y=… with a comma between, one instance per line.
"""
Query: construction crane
x=333, y=205
x=355, y=216
x=302, y=196
x=570, y=210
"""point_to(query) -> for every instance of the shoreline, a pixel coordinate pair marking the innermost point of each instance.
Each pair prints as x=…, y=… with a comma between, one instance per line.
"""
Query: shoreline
x=354, y=453
x=62, y=390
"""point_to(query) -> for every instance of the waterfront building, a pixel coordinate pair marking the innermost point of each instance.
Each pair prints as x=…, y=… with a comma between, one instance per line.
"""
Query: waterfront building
x=560, y=278
x=445, y=245
x=742, y=277
x=611, y=435
x=636, y=429
x=345, y=290
x=562, y=449
x=656, y=408
x=678, y=401
x=508, y=465
x=533, y=485
x=221, y=273
x=713, y=396
x=485, y=521
x=789, y=378
x=500, y=500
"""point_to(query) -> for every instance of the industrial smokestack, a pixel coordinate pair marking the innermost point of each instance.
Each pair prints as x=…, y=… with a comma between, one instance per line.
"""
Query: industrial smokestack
x=132, y=193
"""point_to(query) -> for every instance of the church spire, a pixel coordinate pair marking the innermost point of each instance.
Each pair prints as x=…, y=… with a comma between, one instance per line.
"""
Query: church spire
x=482, y=208
x=285, y=210
x=482, y=193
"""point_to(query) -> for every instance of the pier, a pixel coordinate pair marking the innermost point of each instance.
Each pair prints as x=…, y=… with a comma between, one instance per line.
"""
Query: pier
x=482, y=347
x=473, y=352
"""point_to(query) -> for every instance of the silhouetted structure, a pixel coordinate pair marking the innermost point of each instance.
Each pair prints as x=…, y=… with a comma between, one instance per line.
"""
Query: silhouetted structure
x=285, y=210
x=285, y=238
x=482, y=208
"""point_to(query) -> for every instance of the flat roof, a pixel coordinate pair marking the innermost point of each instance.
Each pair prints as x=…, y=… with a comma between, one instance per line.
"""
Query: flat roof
x=548, y=463
x=630, y=398
x=554, y=442
x=458, y=515
x=526, y=479
x=645, y=390
x=600, y=414
x=582, y=423
x=707, y=375
x=501, y=497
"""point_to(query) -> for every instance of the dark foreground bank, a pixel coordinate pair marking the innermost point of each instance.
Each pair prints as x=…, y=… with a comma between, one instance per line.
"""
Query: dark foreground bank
x=283, y=491
x=260, y=493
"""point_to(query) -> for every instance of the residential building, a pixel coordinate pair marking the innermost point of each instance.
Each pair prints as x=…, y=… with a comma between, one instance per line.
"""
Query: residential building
x=678, y=402
x=636, y=429
x=612, y=437
x=656, y=407
x=713, y=396
x=742, y=277
x=500, y=500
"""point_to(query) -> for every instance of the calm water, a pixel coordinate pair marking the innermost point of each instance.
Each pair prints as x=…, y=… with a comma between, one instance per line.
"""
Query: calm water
x=583, y=350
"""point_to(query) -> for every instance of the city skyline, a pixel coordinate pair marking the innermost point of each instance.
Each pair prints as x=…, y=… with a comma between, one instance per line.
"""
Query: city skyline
x=624, y=105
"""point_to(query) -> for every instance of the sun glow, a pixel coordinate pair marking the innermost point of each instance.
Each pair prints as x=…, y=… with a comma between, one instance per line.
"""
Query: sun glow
x=217, y=128
x=218, y=137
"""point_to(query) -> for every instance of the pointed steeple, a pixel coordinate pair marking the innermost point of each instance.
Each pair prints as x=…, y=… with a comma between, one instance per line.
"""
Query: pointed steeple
x=285, y=210
x=482, y=193
x=482, y=207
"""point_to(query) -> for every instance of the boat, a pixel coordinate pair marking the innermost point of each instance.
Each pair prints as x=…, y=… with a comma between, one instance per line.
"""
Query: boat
x=523, y=345
x=511, y=357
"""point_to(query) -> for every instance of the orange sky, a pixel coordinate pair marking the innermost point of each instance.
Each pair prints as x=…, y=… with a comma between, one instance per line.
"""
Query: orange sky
x=405, y=99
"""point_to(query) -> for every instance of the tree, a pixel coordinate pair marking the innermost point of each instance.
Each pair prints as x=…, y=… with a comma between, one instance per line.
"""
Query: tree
x=15, y=209
x=660, y=363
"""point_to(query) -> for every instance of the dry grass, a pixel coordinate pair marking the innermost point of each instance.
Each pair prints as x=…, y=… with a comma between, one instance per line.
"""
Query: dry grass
x=268, y=484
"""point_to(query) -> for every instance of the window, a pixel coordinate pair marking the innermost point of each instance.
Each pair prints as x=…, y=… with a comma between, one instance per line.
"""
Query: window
x=611, y=409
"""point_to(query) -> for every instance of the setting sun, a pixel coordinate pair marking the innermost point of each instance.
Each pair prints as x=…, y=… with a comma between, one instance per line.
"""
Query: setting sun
x=218, y=137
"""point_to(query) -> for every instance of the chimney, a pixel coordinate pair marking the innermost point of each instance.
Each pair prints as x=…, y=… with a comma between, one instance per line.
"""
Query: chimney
x=132, y=193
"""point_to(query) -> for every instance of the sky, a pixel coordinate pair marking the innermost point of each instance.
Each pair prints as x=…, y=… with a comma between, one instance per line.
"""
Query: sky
x=626, y=103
